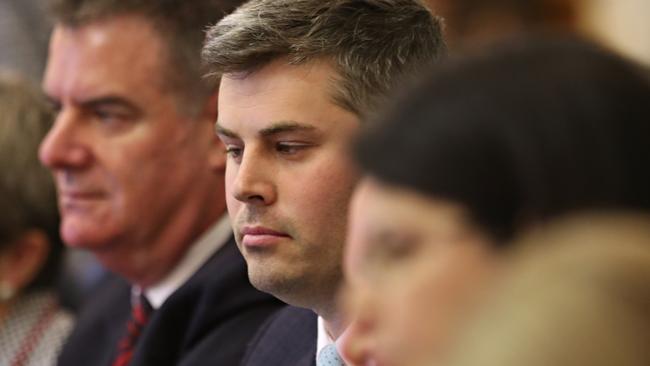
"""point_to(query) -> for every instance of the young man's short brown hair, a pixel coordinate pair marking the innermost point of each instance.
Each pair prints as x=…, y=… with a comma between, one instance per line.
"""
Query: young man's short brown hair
x=374, y=44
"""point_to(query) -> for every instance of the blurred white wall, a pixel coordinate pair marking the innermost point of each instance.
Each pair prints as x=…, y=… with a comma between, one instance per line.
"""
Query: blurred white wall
x=621, y=24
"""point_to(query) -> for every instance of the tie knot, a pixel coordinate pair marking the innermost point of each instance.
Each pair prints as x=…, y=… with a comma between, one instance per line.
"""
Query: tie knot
x=329, y=356
x=141, y=310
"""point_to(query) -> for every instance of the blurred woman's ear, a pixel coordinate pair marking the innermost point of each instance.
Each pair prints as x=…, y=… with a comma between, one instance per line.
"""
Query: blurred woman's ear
x=22, y=260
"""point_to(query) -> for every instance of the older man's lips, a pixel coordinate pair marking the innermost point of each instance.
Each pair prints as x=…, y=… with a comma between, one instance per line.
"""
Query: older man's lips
x=75, y=198
x=261, y=237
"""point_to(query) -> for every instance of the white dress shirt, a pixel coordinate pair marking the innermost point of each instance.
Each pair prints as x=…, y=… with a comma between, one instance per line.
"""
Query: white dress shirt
x=324, y=339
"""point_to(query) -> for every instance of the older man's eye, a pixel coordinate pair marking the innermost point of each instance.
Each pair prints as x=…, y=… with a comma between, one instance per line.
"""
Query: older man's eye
x=54, y=106
x=108, y=116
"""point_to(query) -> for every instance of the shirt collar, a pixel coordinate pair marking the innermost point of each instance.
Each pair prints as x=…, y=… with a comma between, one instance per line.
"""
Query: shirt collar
x=324, y=338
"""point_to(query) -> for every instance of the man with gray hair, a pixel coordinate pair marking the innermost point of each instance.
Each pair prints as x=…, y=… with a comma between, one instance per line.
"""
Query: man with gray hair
x=140, y=179
x=299, y=78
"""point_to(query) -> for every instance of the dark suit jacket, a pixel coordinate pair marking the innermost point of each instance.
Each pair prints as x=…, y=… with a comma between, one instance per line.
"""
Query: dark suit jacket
x=288, y=338
x=207, y=321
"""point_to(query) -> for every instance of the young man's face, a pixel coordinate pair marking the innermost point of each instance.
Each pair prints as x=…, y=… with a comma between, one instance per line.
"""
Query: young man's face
x=288, y=177
x=132, y=170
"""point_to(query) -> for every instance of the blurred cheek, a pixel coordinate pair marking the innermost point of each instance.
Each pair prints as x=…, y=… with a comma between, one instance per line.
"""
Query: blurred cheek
x=387, y=319
x=411, y=324
x=435, y=299
x=419, y=308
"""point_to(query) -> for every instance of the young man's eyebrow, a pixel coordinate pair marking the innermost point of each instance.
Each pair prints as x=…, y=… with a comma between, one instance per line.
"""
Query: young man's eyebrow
x=286, y=126
x=274, y=129
x=220, y=130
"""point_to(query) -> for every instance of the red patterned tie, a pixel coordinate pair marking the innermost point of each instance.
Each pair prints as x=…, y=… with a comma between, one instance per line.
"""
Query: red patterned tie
x=139, y=316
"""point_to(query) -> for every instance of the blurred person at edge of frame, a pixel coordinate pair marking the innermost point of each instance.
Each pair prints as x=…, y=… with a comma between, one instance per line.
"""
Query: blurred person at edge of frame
x=493, y=143
x=24, y=33
x=576, y=293
x=33, y=326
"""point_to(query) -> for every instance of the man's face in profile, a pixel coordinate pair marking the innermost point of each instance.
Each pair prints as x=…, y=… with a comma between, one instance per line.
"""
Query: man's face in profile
x=123, y=156
x=288, y=176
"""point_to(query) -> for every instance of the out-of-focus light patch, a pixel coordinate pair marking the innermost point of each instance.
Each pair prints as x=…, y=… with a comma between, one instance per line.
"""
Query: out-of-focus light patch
x=620, y=24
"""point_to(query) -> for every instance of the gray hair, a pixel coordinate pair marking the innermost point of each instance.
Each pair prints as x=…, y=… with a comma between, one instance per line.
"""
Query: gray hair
x=180, y=23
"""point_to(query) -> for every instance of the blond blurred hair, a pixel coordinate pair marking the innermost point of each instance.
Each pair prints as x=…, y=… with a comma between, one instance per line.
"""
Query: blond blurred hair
x=578, y=293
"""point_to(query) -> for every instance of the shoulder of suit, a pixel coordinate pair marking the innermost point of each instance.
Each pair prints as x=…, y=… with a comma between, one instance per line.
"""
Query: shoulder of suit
x=287, y=338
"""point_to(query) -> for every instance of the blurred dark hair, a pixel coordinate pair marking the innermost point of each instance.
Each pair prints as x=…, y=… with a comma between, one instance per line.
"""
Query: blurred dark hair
x=27, y=193
x=521, y=132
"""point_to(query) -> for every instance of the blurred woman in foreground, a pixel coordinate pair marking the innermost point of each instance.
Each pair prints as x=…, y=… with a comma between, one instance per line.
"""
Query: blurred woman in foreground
x=32, y=325
x=491, y=145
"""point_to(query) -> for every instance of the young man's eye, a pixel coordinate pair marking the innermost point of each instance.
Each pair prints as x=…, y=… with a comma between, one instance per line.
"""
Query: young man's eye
x=289, y=147
x=234, y=152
